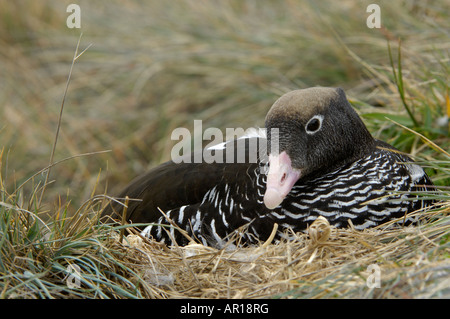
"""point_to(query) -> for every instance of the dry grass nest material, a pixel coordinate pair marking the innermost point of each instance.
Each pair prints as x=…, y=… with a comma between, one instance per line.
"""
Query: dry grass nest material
x=322, y=262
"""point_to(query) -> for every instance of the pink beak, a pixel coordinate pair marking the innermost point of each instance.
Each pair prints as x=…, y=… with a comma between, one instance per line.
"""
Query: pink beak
x=280, y=179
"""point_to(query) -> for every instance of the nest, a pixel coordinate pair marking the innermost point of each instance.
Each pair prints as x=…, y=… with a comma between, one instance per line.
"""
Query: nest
x=388, y=262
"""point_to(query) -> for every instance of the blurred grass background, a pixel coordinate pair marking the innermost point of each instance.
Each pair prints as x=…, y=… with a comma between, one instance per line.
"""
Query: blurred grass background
x=157, y=65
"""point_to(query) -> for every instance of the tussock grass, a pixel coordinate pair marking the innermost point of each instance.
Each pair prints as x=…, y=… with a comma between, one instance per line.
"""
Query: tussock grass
x=156, y=66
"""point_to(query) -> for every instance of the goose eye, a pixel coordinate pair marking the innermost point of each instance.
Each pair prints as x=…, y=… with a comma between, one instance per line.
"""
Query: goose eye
x=314, y=124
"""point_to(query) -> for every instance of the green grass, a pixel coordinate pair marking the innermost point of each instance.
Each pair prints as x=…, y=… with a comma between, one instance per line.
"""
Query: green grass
x=156, y=66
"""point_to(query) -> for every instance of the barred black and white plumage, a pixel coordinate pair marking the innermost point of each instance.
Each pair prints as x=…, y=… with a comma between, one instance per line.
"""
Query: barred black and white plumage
x=327, y=165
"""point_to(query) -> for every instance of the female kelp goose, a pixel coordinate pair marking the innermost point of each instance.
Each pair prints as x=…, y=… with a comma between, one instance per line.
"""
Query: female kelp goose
x=322, y=161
